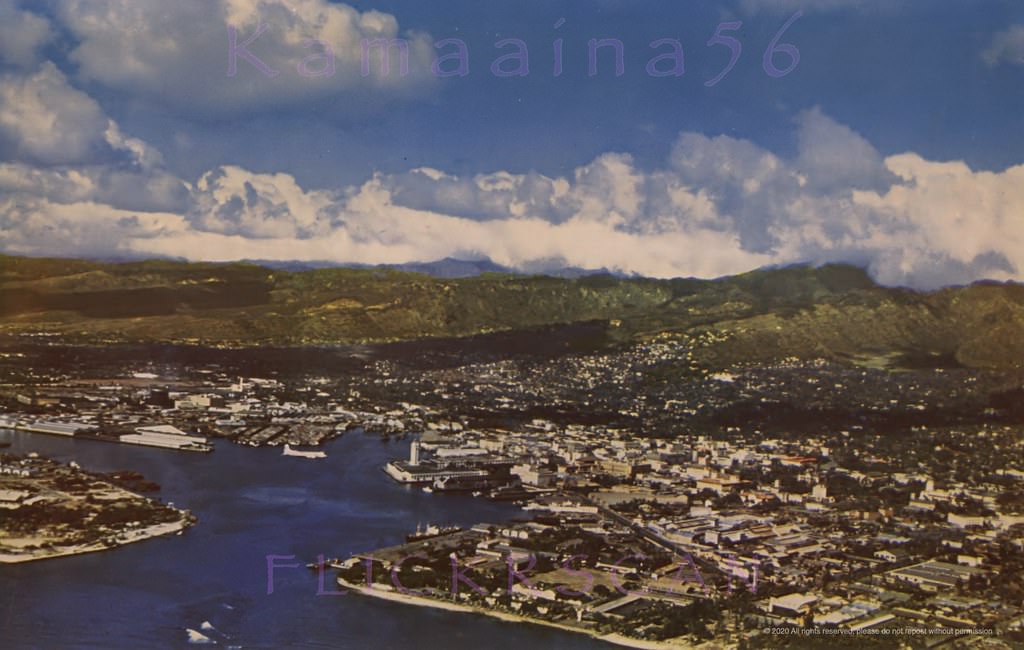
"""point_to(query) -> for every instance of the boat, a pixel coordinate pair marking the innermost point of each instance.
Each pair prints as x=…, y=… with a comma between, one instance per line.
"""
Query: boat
x=330, y=563
x=430, y=532
x=508, y=493
x=197, y=637
x=296, y=453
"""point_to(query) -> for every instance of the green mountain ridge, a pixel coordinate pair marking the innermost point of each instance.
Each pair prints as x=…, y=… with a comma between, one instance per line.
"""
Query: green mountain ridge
x=833, y=311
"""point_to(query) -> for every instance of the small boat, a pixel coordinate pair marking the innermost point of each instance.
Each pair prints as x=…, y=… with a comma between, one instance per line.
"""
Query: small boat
x=194, y=636
x=296, y=453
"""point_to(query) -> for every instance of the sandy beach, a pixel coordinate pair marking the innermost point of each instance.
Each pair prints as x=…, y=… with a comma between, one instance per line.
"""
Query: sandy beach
x=127, y=537
x=383, y=593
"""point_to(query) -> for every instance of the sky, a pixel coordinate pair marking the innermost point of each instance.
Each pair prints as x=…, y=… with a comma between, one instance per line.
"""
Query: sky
x=883, y=133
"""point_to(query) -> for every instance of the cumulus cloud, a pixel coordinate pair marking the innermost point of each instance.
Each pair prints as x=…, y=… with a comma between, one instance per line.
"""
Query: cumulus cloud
x=1006, y=47
x=945, y=223
x=34, y=225
x=233, y=201
x=720, y=205
x=45, y=120
x=176, y=53
x=833, y=157
x=59, y=144
x=75, y=184
x=22, y=34
x=483, y=196
x=375, y=230
x=238, y=214
x=72, y=182
x=115, y=186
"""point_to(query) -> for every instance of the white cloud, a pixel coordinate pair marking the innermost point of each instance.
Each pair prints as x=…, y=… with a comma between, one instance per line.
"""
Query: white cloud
x=34, y=226
x=234, y=201
x=61, y=146
x=176, y=53
x=376, y=231
x=941, y=223
x=1006, y=47
x=45, y=120
x=483, y=196
x=118, y=187
x=609, y=191
x=22, y=34
x=833, y=157
x=72, y=183
x=948, y=224
x=720, y=205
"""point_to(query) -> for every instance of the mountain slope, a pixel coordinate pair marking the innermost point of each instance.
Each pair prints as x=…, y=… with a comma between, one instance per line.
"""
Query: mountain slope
x=832, y=311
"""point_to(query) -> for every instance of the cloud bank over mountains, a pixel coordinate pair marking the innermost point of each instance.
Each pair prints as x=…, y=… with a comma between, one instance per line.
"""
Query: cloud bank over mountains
x=73, y=183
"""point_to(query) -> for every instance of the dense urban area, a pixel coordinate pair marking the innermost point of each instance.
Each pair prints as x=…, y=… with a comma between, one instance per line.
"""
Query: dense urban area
x=663, y=500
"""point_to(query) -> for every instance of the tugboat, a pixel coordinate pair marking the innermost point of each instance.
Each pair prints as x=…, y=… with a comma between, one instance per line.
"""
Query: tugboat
x=430, y=532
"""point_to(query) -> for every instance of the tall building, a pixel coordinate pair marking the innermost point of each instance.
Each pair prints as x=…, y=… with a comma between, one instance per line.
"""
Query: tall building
x=414, y=453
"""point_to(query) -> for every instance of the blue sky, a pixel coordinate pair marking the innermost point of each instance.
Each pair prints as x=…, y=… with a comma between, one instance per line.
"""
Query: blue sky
x=896, y=143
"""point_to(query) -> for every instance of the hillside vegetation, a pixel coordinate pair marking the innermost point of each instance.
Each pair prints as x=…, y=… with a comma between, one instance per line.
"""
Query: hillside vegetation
x=832, y=311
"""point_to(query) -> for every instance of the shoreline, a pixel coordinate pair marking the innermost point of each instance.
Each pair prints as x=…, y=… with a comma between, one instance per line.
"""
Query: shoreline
x=613, y=638
x=122, y=539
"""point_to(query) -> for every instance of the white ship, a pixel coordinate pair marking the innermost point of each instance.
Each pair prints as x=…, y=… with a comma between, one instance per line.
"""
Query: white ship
x=288, y=451
x=430, y=532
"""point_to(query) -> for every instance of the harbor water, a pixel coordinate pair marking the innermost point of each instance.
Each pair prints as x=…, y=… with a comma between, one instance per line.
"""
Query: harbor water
x=212, y=579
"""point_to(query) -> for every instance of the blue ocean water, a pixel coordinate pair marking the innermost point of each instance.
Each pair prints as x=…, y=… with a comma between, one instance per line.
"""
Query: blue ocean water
x=251, y=503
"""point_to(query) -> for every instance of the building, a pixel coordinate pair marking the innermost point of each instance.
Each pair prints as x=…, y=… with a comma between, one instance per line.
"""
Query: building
x=199, y=402
x=933, y=575
x=792, y=605
x=56, y=428
x=718, y=485
x=534, y=476
x=446, y=466
x=965, y=521
x=166, y=437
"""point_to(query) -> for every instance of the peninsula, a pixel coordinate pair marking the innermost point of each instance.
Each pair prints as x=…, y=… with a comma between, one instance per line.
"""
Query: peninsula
x=51, y=509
